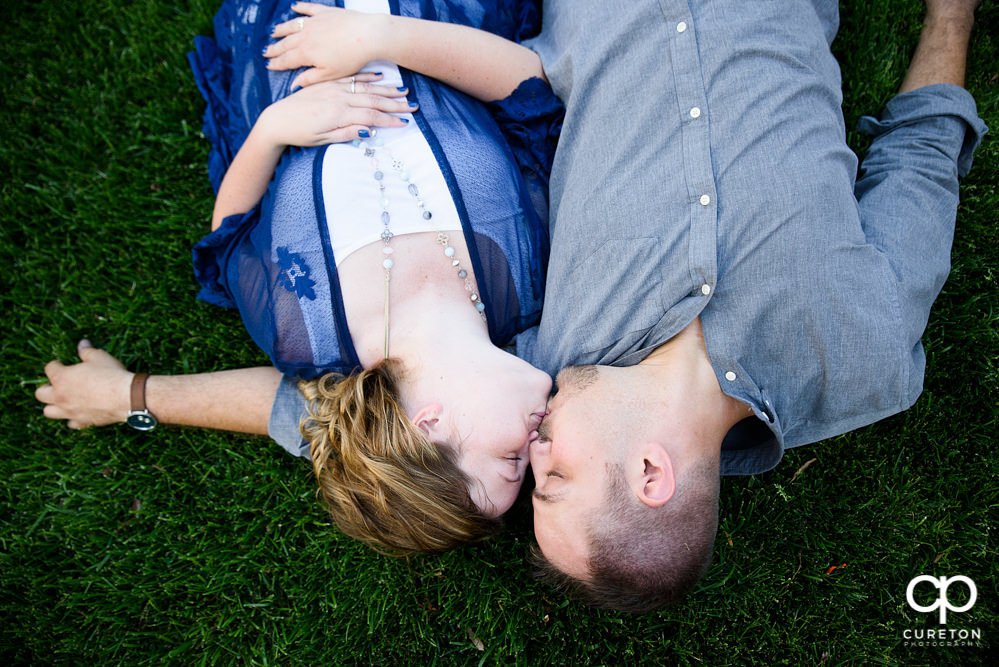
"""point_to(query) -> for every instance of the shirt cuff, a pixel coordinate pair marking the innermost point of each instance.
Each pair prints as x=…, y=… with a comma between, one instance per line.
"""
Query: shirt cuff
x=286, y=414
x=928, y=102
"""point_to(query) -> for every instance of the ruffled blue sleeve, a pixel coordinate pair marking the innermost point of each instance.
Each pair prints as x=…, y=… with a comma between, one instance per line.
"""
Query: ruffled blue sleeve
x=530, y=119
x=211, y=74
x=211, y=254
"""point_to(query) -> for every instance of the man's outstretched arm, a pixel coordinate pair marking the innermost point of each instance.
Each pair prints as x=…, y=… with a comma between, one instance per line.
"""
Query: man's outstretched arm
x=96, y=392
x=908, y=187
x=942, y=53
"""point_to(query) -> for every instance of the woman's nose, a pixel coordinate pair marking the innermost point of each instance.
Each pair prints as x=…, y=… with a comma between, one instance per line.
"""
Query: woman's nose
x=537, y=452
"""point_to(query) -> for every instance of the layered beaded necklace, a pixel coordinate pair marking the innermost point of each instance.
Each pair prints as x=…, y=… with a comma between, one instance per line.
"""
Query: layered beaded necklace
x=372, y=151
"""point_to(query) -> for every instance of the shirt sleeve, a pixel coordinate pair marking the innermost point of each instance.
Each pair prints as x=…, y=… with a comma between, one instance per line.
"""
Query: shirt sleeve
x=287, y=412
x=530, y=119
x=908, y=189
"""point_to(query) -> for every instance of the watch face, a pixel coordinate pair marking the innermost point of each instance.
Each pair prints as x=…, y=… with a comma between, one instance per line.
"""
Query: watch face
x=142, y=421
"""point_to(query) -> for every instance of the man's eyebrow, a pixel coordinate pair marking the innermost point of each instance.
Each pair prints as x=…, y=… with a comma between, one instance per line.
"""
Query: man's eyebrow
x=545, y=498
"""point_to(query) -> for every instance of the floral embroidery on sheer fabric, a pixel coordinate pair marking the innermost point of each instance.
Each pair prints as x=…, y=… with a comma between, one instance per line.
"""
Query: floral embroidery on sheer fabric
x=295, y=274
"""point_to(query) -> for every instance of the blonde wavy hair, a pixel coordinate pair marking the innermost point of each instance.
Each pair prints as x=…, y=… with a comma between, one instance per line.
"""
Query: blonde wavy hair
x=384, y=482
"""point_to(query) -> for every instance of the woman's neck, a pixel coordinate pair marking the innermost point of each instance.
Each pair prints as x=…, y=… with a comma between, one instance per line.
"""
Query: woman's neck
x=429, y=331
x=430, y=311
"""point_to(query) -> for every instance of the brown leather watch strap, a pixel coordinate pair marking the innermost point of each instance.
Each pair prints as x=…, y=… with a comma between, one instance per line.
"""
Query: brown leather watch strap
x=139, y=391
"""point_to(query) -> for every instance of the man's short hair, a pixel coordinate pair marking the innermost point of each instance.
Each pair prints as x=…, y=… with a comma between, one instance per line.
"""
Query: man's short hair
x=642, y=558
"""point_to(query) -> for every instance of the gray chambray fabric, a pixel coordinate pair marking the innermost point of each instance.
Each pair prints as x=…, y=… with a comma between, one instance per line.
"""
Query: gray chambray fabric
x=703, y=170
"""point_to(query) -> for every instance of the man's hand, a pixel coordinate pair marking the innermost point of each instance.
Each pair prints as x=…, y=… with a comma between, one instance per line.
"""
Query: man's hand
x=94, y=392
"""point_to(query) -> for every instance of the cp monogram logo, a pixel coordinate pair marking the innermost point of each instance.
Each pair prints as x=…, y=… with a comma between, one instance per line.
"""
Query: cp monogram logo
x=942, y=603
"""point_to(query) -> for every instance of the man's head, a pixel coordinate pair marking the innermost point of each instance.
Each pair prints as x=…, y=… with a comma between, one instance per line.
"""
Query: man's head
x=626, y=497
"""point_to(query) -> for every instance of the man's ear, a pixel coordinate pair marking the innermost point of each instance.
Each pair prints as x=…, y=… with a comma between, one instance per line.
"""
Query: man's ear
x=653, y=479
x=428, y=420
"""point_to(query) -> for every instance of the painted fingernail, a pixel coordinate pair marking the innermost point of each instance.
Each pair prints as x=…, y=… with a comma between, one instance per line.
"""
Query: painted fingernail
x=405, y=120
x=363, y=133
x=401, y=89
x=413, y=105
x=377, y=73
x=295, y=89
x=263, y=51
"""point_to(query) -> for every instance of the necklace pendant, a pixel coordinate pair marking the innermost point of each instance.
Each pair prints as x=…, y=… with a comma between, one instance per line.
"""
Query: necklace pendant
x=371, y=152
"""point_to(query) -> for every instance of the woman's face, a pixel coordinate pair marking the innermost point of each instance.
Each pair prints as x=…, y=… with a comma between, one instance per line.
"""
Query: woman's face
x=495, y=420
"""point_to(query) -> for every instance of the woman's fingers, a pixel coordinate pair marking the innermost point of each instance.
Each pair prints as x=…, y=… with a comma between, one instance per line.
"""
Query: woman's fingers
x=309, y=77
x=363, y=77
x=376, y=103
x=285, y=54
x=344, y=134
x=369, y=89
x=361, y=119
x=297, y=24
x=291, y=26
x=309, y=8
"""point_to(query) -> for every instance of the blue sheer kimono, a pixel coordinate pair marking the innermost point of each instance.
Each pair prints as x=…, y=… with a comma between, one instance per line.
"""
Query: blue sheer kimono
x=275, y=264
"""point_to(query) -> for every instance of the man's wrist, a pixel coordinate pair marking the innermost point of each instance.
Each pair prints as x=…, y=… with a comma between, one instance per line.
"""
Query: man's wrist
x=139, y=417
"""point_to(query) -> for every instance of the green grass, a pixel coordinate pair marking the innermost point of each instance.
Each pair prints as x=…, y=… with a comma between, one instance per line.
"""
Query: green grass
x=191, y=547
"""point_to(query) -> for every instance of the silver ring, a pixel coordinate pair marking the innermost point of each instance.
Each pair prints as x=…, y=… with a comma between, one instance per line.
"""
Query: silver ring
x=351, y=84
x=301, y=23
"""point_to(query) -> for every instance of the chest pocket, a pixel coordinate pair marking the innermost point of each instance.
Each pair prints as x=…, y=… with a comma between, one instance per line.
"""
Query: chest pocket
x=613, y=296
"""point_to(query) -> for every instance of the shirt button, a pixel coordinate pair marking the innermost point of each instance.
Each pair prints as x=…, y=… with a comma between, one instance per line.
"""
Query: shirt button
x=681, y=26
x=695, y=112
x=730, y=376
x=705, y=289
x=705, y=200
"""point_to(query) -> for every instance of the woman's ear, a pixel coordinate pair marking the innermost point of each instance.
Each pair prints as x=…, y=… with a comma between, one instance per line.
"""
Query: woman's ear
x=653, y=480
x=428, y=419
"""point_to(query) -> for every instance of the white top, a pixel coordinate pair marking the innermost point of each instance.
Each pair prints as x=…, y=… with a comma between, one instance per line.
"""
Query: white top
x=350, y=191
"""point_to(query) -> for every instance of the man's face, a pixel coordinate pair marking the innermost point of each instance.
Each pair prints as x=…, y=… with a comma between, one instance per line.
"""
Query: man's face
x=570, y=473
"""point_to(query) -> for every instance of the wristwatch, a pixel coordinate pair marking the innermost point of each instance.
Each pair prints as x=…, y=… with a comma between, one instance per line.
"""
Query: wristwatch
x=138, y=417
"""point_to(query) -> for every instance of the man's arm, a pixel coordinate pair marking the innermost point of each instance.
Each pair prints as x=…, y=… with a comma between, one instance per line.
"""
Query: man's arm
x=942, y=53
x=925, y=139
x=337, y=42
x=96, y=392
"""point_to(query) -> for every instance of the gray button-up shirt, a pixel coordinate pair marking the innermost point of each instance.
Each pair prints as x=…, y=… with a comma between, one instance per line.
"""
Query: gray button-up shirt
x=703, y=170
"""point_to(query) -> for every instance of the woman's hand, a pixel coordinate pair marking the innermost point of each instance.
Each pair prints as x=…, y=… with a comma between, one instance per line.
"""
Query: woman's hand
x=332, y=42
x=329, y=112
x=94, y=392
x=325, y=113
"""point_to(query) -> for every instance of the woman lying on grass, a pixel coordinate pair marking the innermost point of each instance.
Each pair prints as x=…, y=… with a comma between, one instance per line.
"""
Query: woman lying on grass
x=385, y=273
